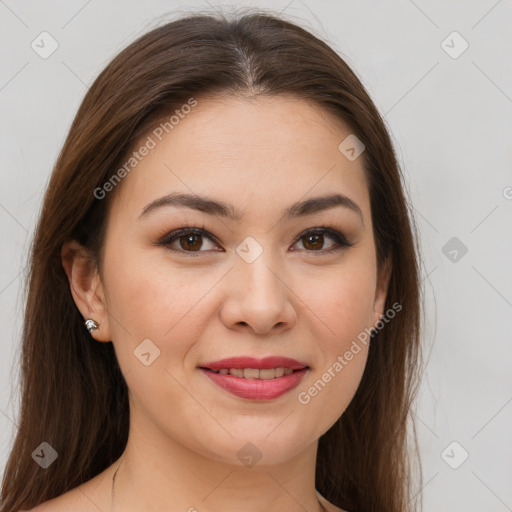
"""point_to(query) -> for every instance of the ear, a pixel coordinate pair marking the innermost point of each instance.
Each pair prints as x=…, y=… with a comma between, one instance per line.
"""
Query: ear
x=381, y=290
x=86, y=286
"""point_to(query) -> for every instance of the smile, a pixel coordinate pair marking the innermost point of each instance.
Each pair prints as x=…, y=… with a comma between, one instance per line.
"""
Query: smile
x=255, y=373
x=258, y=384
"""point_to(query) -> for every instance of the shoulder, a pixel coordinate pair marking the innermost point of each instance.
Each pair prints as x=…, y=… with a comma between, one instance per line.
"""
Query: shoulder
x=89, y=496
x=75, y=500
x=329, y=507
x=65, y=502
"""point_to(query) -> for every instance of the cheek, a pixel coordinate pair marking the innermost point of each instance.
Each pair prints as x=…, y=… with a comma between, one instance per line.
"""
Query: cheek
x=325, y=397
x=156, y=301
x=343, y=314
x=142, y=293
x=342, y=301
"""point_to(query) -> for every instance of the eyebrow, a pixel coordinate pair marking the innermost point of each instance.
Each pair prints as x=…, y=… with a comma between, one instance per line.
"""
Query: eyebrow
x=219, y=208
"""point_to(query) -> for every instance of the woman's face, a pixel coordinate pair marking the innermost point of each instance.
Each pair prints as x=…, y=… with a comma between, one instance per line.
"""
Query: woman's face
x=266, y=284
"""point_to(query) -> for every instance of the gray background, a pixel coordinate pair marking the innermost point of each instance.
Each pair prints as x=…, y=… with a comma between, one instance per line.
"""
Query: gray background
x=451, y=122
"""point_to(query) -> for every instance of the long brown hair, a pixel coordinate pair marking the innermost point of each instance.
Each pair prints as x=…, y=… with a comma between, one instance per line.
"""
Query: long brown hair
x=74, y=396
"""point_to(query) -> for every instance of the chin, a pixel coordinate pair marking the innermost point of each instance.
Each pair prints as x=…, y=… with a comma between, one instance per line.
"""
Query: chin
x=247, y=450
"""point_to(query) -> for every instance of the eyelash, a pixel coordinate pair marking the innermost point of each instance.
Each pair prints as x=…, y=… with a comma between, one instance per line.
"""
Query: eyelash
x=339, y=238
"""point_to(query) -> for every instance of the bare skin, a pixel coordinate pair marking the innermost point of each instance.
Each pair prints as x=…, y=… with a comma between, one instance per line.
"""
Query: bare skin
x=88, y=497
x=296, y=299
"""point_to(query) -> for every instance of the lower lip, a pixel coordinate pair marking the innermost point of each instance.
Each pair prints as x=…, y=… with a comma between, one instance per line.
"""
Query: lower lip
x=256, y=389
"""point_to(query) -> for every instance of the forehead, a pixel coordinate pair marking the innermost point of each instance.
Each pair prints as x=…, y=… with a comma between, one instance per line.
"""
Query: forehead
x=259, y=150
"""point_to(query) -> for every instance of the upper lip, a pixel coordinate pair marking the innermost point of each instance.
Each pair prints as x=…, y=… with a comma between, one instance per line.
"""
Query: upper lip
x=251, y=362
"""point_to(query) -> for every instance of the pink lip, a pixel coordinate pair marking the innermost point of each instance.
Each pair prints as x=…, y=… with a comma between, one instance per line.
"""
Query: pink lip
x=251, y=362
x=256, y=389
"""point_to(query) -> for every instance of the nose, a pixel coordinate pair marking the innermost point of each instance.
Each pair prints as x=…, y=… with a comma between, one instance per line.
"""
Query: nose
x=258, y=297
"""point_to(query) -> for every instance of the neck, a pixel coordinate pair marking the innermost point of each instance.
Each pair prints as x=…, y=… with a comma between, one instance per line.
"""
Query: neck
x=143, y=482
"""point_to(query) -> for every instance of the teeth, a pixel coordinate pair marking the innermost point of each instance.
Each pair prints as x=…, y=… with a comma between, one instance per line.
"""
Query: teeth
x=251, y=373
x=266, y=374
x=254, y=373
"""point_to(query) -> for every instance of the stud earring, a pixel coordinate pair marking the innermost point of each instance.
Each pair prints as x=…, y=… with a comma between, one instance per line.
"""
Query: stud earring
x=91, y=325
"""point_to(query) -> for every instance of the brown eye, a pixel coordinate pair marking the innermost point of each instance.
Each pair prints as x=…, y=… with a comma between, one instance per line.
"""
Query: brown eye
x=190, y=242
x=187, y=240
x=314, y=240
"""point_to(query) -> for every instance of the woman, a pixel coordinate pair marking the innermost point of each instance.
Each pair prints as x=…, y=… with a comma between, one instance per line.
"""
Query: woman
x=223, y=302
